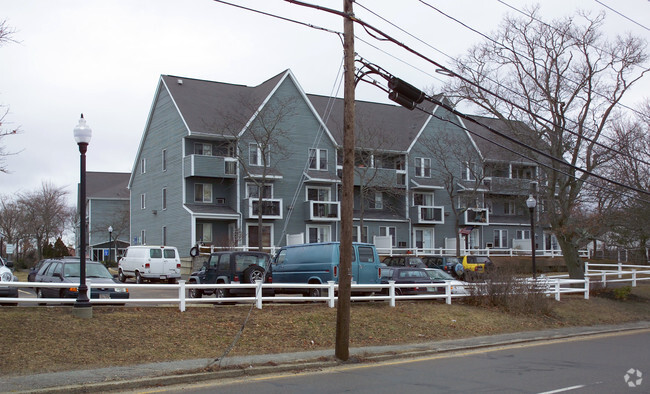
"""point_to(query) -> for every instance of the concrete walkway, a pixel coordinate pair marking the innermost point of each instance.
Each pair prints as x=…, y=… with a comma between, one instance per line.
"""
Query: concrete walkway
x=192, y=371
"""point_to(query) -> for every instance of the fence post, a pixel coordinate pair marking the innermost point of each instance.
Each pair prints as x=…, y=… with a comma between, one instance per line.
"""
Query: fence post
x=258, y=294
x=633, y=277
x=620, y=269
x=586, y=268
x=586, y=288
x=391, y=292
x=448, y=292
x=557, y=290
x=330, y=293
x=89, y=284
x=181, y=295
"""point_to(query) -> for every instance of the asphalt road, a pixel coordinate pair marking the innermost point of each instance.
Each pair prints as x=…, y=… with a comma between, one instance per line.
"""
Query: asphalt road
x=595, y=364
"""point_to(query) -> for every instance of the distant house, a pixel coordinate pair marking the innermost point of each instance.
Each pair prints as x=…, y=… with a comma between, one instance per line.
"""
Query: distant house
x=107, y=205
x=202, y=169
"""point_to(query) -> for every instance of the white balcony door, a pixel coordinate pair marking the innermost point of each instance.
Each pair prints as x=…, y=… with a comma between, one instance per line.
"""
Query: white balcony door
x=319, y=234
x=424, y=238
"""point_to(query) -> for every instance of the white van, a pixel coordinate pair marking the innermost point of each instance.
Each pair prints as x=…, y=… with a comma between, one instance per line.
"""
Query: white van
x=143, y=262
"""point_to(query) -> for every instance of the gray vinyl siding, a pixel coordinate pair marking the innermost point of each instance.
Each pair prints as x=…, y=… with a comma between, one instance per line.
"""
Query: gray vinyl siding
x=166, y=131
x=104, y=213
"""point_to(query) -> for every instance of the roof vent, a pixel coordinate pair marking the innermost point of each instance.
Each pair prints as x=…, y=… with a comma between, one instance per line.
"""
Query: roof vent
x=180, y=81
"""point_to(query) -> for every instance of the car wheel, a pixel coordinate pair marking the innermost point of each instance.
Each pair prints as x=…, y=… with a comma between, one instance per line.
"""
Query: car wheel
x=195, y=293
x=221, y=293
x=315, y=292
x=39, y=294
x=121, y=276
x=253, y=273
x=138, y=278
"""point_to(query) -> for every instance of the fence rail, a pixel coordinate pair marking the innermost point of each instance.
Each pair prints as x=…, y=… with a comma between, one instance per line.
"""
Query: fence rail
x=550, y=286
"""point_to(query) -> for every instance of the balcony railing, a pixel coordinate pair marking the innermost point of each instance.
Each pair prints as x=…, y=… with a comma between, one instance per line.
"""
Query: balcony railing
x=271, y=208
x=477, y=216
x=425, y=214
x=323, y=210
x=209, y=166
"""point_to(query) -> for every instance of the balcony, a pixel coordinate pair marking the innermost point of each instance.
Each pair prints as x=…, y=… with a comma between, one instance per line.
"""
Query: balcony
x=424, y=214
x=385, y=177
x=477, y=217
x=323, y=210
x=271, y=208
x=209, y=166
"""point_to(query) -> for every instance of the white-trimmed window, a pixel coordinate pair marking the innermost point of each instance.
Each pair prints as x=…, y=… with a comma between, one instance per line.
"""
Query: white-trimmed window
x=500, y=238
x=360, y=235
x=164, y=198
x=469, y=171
x=143, y=165
x=318, y=159
x=319, y=234
x=423, y=167
x=377, y=201
x=509, y=208
x=423, y=199
x=143, y=201
x=164, y=235
x=318, y=193
x=204, y=232
x=522, y=234
x=202, y=192
x=389, y=230
x=164, y=160
x=253, y=191
x=203, y=149
x=255, y=155
x=143, y=237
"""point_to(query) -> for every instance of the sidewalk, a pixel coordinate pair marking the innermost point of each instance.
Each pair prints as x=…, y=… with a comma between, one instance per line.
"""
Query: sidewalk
x=192, y=371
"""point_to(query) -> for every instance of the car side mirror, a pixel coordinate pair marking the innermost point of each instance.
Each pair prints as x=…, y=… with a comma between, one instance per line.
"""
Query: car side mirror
x=58, y=275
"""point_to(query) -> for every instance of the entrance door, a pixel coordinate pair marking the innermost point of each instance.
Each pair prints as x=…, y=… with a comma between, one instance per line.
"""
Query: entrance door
x=424, y=238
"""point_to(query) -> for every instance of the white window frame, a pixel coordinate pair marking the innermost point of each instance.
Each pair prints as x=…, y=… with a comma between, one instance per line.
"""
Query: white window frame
x=203, y=187
x=264, y=225
x=143, y=166
x=389, y=230
x=426, y=196
x=255, y=152
x=522, y=234
x=202, y=146
x=358, y=236
x=204, y=226
x=469, y=171
x=319, y=190
x=499, y=239
x=510, y=208
x=143, y=201
x=377, y=202
x=143, y=237
x=318, y=159
x=266, y=186
x=423, y=167
x=324, y=232
x=163, y=235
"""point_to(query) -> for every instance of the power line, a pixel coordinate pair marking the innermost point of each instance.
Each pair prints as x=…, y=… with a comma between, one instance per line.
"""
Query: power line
x=624, y=16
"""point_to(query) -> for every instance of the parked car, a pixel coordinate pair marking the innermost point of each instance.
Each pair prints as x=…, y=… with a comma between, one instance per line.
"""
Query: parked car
x=450, y=264
x=232, y=267
x=31, y=276
x=152, y=263
x=318, y=263
x=412, y=275
x=476, y=265
x=7, y=276
x=68, y=270
x=406, y=260
x=440, y=276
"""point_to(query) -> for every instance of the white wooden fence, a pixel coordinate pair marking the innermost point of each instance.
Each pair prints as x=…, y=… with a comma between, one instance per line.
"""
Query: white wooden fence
x=551, y=286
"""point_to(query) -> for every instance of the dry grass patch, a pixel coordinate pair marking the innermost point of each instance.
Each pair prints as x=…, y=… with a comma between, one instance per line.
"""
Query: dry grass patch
x=47, y=339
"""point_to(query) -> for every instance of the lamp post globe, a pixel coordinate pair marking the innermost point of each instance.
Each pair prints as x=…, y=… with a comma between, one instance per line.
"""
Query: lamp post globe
x=82, y=135
x=531, y=203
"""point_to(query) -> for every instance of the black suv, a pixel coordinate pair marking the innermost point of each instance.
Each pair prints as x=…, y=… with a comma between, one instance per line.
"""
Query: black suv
x=450, y=264
x=232, y=267
x=404, y=261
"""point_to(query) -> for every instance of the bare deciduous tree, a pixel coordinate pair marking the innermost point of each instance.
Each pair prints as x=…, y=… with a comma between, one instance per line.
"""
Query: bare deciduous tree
x=6, y=35
x=564, y=80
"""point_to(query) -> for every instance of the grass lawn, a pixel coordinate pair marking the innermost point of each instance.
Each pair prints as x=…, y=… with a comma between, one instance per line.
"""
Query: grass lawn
x=45, y=339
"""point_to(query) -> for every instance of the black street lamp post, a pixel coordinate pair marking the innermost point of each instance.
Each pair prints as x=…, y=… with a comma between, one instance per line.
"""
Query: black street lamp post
x=531, y=203
x=82, y=306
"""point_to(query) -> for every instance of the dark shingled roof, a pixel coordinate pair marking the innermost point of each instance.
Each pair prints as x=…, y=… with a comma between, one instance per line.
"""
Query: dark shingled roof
x=215, y=107
x=486, y=145
x=107, y=185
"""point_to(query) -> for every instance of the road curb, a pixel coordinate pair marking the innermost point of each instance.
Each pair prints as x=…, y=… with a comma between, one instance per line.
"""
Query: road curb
x=235, y=367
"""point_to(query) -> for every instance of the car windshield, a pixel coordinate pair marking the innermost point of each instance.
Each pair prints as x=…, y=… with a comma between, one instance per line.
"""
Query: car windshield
x=439, y=275
x=93, y=270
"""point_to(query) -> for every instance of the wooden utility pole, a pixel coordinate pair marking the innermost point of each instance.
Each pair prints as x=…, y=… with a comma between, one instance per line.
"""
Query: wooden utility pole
x=342, y=350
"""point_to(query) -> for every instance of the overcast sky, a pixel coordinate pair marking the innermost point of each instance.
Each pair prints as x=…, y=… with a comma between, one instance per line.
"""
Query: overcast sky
x=104, y=58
